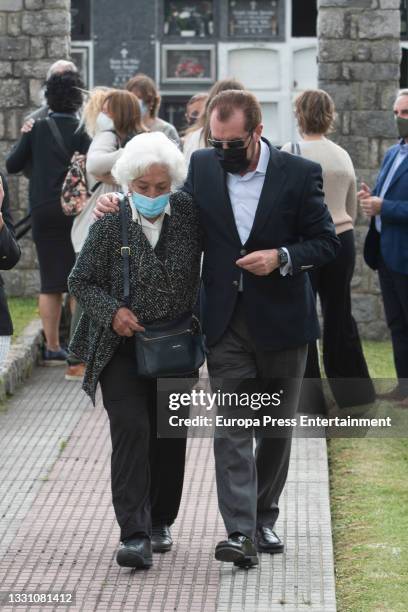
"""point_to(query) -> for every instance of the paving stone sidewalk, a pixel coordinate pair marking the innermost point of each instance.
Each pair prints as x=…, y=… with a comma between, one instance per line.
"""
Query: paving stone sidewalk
x=58, y=532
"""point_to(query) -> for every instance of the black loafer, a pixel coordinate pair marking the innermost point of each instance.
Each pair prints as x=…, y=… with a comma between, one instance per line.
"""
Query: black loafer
x=267, y=541
x=238, y=549
x=161, y=538
x=135, y=552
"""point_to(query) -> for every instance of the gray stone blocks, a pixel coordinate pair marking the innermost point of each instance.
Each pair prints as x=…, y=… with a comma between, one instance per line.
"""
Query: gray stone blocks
x=33, y=35
x=359, y=57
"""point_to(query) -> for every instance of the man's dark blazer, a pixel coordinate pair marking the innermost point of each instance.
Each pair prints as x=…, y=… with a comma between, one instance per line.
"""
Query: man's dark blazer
x=281, y=310
x=9, y=256
x=392, y=242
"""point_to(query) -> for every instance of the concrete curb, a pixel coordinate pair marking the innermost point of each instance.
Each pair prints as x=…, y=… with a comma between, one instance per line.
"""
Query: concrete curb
x=23, y=355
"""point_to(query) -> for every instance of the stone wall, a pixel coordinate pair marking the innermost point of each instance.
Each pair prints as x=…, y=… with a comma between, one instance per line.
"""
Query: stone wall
x=359, y=65
x=33, y=35
x=359, y=55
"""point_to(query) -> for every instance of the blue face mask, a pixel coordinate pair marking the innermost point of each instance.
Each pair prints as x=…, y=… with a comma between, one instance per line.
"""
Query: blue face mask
x=150, y=207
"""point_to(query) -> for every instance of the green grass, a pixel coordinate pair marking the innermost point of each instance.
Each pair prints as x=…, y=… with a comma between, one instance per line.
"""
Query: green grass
x=379, y=359
x=369, y=502
x=22, y=310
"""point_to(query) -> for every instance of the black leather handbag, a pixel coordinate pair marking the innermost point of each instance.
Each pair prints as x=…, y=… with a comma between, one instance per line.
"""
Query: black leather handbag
x=167, y=348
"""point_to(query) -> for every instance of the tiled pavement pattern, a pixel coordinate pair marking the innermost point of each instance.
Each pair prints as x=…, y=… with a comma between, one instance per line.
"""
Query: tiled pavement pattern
x=58, y=531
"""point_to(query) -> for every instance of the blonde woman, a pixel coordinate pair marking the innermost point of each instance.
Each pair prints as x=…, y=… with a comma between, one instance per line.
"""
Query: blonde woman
x=342, y=352
x=93, y=106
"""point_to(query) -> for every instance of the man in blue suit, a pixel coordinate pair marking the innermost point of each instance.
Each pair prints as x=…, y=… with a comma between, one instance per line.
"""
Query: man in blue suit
x=386, y=245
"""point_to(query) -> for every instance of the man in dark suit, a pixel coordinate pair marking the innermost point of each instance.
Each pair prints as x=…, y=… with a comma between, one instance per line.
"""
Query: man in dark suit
x=264, y=223
x=386, y=245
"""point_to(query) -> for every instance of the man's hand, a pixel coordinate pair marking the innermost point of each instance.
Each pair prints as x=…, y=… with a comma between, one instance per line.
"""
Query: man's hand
x=371, y=206
x=365, y=191
x=108, y=203
x=260, y=263
x=125, y=323
x=27, y=126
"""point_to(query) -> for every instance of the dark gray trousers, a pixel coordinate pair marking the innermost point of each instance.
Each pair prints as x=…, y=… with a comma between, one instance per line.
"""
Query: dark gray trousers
x=249, y=485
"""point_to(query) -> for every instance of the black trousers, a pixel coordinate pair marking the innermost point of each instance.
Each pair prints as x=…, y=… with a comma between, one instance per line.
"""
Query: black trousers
x=343, y=356
x=147, y=473
x=394, y=289
x=248, y=485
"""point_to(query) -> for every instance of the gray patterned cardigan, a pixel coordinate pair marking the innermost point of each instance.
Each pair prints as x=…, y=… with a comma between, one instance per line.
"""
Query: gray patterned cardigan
x=164, y=281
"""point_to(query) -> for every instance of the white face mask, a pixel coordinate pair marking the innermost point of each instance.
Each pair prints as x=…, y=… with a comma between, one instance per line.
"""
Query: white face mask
x=103, y=122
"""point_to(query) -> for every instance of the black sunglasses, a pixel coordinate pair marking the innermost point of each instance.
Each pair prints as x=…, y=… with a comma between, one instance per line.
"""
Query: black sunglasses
x=231, y=144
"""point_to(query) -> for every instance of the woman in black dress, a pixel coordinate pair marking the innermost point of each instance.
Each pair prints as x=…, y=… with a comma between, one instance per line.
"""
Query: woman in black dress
x=49, y=147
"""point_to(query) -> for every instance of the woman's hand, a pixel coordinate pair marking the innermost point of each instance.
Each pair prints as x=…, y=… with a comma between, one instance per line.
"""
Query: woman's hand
x=125, y=323
x=108, y=203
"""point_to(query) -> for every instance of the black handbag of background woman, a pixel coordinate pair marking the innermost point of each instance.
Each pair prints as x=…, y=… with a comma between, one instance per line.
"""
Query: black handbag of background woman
x=167, y=348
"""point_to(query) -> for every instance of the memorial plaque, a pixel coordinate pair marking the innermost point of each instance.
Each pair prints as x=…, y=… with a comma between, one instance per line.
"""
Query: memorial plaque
x=195, y=64
x=253, y=18
x=123, y=67
x=80, y=19
x=185, y=18
x=124, y=41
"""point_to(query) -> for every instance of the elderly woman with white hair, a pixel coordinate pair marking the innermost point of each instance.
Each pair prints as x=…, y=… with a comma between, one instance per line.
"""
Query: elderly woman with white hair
x=164, y=264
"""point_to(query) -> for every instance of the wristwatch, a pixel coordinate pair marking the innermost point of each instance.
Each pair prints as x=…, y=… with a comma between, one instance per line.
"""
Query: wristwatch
x=282, y=257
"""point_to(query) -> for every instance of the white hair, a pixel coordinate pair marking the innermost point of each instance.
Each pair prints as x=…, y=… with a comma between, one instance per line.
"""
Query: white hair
x=61, y=66
x=145, y=150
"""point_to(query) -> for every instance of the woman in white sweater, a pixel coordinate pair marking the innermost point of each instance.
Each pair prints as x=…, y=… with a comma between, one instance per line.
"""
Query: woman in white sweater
x=342, y=352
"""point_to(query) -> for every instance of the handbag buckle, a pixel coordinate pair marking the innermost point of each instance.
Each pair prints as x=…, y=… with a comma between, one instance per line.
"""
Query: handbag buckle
x=124, y=250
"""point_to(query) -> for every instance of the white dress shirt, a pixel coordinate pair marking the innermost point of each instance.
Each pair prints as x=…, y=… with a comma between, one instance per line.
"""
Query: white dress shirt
x=244, y=192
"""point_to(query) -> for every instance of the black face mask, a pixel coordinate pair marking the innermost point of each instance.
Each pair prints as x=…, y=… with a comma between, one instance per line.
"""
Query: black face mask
x=402, y=126
x=233, y=160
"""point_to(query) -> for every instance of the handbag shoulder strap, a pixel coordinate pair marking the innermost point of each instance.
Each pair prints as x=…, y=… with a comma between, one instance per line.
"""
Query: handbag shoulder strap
x=125, y=252
x=58, y=136
x=295, y=148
